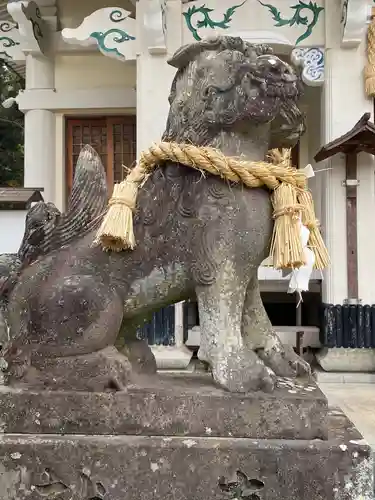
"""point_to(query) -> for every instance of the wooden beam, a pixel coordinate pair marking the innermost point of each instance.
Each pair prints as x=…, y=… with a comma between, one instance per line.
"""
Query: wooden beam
x=351, y=225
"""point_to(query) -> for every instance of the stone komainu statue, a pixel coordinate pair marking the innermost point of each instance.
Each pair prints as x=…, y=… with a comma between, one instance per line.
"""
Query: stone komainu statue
x=196, y=236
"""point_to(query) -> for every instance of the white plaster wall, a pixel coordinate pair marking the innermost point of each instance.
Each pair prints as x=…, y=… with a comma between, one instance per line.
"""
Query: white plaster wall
x=93, y=71
x=154, y=78
x=344, y=102
x=12, y=223
x=72, y=12
x=366, y=225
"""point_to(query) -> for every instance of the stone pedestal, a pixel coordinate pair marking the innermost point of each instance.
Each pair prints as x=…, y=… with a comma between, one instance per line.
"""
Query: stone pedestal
x=340, y=359
x=180, y=438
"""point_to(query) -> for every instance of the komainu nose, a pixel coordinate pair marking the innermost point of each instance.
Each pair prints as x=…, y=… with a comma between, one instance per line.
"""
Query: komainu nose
x=270, y=60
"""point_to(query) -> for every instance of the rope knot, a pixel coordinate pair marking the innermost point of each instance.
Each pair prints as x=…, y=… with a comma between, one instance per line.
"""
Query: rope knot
x=293, y=211
x=122, y=201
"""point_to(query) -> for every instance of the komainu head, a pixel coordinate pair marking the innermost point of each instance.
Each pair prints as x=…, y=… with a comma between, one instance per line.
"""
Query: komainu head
x=227, y=83
x=40, y=220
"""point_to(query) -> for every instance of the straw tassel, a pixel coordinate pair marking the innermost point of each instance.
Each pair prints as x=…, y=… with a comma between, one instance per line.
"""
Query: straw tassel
x=286, y=246
x=370, y=66
x=116, y=232
x=316, y=243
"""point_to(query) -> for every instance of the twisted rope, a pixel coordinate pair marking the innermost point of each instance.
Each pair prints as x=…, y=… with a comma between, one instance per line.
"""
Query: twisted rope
x=290, y=197
x=253, y=174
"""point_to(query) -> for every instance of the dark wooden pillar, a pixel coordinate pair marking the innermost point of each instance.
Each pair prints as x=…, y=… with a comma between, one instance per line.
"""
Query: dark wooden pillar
x=351, y=224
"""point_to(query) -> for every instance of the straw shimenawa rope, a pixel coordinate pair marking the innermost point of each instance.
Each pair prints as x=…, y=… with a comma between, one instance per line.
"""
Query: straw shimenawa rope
x=290, y=198
x=370, y=66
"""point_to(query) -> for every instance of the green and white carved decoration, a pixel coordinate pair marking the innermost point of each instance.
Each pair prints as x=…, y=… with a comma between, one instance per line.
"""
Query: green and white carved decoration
x=107, y=39
x=311, y=61
x=306, y=15
x=32, y=27
x=200, y=17
x=10, y=42
x=111, y=29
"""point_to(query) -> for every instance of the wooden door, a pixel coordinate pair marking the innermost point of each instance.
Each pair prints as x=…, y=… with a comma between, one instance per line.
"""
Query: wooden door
x=122, y=145
x=114, y=138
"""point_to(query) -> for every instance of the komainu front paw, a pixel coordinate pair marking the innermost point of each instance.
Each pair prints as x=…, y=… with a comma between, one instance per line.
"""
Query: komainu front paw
x=242, y=371
x=284, y=362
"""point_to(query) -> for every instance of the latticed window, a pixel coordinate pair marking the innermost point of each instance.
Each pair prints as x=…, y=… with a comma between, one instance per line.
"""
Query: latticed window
x=114, y=138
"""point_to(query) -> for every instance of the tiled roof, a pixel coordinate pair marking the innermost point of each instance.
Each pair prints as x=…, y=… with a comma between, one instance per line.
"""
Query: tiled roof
x=20, y=195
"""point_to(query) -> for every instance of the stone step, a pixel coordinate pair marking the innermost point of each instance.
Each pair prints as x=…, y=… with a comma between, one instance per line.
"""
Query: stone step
x=187, y=405
x=186, y=468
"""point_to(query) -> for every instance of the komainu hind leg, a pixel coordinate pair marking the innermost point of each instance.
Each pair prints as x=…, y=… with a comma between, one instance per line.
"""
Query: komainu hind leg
x=74, y=340
x=100, y=371
x=135, y=349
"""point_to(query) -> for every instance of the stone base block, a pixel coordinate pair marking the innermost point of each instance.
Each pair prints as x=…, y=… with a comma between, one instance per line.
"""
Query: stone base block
x=171, y=357
x=323, y=377
x=342, y=359
x=176, y=405
x=35, y=467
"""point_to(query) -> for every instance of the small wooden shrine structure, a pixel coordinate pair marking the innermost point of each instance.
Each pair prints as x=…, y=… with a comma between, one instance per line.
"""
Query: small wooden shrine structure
x=361, y=138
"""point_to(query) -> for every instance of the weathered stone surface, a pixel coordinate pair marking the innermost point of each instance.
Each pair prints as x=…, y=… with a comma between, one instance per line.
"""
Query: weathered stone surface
x=196, y=237
x=176, y=406
x=180, y=468
x=9, y=263
x=9, y=266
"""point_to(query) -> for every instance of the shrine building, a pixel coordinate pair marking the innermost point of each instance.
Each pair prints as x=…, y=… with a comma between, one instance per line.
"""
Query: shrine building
x=96, y=72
